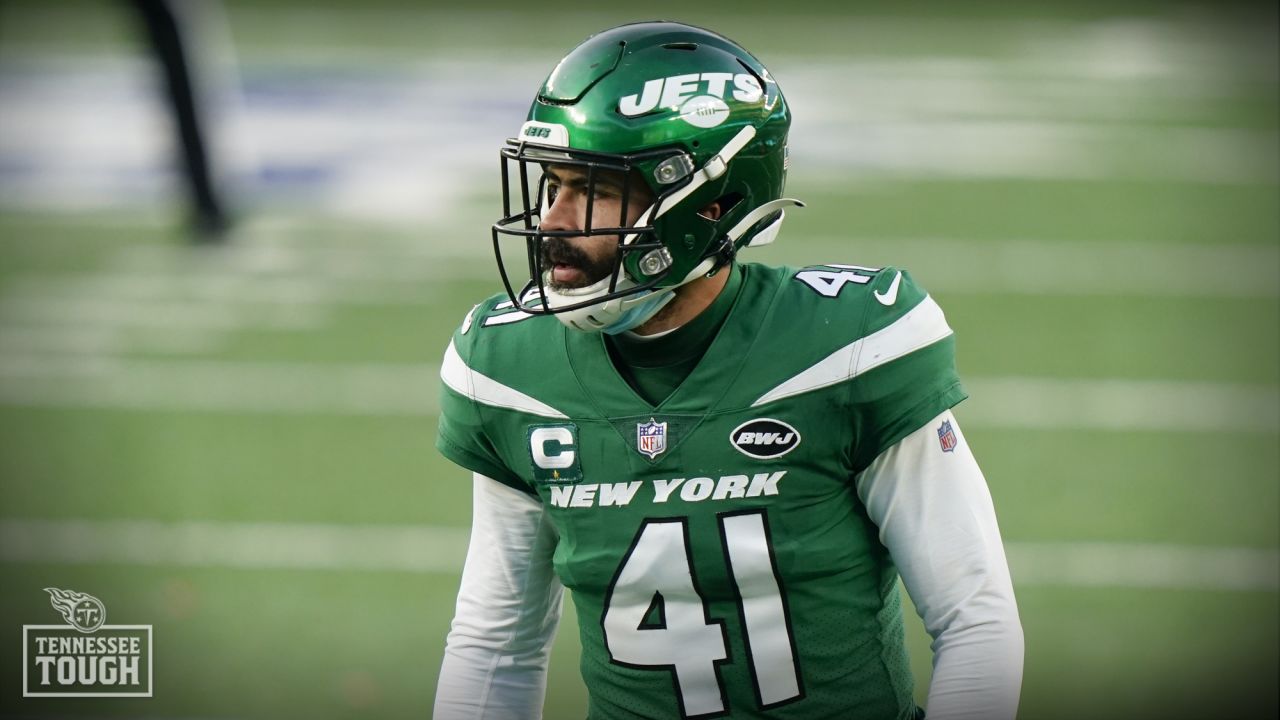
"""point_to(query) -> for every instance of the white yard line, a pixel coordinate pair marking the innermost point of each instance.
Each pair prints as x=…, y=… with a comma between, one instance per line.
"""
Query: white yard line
x=1145, y=565
x=211, y=386
x=1044, y=403
x=432, y=549
x=1116, y=268
x=1027, y=150
x=174, y=314
x=236, y=545
x=411, y=390
x=300, y=287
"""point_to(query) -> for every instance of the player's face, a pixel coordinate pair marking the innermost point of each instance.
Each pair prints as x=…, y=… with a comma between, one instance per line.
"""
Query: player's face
x=578, y=261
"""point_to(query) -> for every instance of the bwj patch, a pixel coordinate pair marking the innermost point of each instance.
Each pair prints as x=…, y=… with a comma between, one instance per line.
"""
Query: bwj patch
x=947, y=436
x=651, y=438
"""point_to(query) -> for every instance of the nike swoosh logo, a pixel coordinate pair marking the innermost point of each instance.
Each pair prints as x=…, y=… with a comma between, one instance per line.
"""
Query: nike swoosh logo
x=890, y=297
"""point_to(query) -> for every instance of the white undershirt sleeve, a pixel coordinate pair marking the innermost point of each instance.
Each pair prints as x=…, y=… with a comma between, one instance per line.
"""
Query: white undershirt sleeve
x=495, y=658
x=936, y=518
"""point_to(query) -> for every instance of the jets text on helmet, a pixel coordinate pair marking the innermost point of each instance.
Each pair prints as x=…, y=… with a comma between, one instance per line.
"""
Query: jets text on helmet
x=670, y=92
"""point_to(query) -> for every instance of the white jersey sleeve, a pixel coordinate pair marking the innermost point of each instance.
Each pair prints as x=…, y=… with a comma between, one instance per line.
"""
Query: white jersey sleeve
x=495, y=658
x=936, y=518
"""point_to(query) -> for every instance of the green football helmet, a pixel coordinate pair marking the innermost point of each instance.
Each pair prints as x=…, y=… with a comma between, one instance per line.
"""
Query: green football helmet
x=686, y=111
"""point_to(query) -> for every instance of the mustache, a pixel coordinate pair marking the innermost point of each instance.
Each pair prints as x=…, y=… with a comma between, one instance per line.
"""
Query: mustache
x=558, y=251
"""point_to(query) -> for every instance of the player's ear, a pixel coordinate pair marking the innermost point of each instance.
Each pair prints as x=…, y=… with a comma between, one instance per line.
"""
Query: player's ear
x=711, y=212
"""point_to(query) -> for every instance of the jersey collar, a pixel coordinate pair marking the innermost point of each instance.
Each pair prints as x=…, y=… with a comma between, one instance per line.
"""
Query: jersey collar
x=709, y=380
x=686, y=342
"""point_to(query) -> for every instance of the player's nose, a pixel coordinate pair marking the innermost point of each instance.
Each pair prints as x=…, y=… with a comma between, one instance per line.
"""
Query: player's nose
x=562, y=215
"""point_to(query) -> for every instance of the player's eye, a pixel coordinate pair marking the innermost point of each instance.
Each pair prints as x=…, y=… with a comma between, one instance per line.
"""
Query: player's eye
x=553, y=191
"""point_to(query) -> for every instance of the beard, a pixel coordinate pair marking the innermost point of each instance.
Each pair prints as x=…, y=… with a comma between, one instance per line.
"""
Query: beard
x=558, y=251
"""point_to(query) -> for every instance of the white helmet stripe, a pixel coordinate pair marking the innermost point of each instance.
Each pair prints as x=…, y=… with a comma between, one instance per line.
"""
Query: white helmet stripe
x=714, y=168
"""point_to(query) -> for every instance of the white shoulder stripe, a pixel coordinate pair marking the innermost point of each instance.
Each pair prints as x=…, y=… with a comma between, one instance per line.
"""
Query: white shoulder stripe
x=456, y=374
x=922, y=325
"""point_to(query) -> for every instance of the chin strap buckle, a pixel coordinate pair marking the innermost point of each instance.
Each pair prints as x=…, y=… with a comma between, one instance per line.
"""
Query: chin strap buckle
x=723, y=254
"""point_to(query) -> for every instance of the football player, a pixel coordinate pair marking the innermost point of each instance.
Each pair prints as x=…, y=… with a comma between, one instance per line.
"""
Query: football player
x=730, y=465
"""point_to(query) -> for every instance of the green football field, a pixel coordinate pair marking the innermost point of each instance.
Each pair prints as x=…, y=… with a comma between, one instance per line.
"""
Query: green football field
x=234, y=444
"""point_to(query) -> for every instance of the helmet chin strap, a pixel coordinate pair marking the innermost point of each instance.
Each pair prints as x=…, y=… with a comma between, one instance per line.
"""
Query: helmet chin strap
x=622, y=314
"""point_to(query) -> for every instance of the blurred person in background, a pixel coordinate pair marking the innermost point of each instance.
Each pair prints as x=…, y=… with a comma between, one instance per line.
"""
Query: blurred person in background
x=169, y=36
x=729, y=464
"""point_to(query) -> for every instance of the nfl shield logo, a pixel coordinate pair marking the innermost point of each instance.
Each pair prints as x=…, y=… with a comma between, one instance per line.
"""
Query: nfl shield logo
x=946, y=436
x=651, y=438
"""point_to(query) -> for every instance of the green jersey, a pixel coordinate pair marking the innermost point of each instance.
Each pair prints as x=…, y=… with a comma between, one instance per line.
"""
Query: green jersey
x=718, y=554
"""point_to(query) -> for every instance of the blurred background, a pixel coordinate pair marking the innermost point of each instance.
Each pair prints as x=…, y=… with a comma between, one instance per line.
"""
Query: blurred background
x=221, y=423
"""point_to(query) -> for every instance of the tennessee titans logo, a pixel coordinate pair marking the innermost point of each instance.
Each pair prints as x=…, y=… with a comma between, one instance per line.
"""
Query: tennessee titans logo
x=947, y=436
x=83, y=611
x=651, y=438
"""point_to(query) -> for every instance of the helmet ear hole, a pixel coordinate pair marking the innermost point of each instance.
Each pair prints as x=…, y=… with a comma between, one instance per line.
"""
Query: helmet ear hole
x=723, y=205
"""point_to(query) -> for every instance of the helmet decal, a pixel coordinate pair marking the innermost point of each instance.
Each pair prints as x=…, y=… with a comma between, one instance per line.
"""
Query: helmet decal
x=672, y=92
x=545, y=133
x=704, y=111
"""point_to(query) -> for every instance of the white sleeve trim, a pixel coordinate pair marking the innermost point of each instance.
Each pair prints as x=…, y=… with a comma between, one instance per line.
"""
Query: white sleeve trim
x=936, y=518
x=495, y=658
